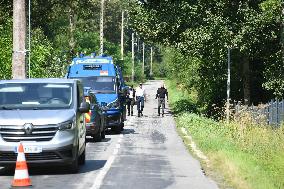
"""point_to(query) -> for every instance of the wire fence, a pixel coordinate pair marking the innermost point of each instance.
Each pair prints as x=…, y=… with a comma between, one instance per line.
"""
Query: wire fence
x=271, y=113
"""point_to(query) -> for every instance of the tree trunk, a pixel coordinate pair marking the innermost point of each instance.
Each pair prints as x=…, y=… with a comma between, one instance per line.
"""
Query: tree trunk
x=246, y=80
x=19, y=40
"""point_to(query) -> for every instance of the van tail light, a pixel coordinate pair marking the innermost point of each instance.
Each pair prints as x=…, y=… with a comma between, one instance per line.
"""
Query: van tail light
x=88, y=117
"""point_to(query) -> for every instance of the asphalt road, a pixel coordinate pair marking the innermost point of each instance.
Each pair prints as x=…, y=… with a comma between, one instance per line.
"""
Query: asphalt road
x=148, y=154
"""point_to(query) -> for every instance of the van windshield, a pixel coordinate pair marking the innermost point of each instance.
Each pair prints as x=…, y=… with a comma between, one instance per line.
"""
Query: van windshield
x=100, y=84
x=35, y=96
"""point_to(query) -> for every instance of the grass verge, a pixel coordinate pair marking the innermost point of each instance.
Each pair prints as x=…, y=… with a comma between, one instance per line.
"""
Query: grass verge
x=245, y=154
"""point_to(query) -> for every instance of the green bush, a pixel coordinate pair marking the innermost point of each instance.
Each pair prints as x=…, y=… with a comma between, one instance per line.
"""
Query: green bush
x=6, y=49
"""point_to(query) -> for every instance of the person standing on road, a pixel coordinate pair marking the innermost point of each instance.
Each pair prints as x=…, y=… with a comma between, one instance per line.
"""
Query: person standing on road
x=161, y=94
x=130, y=100
x=140, y=98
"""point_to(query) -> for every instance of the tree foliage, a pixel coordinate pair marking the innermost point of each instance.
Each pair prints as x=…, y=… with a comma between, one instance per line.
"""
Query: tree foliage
x=60, y=31
x=195, y=36
x=199, y=34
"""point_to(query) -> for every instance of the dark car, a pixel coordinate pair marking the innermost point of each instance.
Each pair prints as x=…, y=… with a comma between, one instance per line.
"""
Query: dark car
x=95, y=118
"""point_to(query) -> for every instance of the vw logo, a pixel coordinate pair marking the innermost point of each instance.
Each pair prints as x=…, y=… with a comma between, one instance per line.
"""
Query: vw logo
x=28, y=127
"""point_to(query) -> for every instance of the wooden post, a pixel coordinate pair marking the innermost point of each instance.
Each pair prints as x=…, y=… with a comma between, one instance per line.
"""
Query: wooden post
x=282, y=30
x=19, y=40
x=102, y=28
x=133, y=59
x=151, y=63
x=72, y=25
x=143, y=59
x=122, y=36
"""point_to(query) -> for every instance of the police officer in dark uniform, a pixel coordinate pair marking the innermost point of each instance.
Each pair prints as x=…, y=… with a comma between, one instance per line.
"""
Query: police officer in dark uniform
x=161, y=94
x=130, y=100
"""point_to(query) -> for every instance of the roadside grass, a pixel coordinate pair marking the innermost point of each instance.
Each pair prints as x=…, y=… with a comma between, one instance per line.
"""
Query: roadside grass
x=247, y=155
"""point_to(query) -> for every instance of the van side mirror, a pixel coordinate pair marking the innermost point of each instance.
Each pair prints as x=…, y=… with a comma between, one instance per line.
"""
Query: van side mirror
x=84, y=107
x=123, y=90
x=105, y=108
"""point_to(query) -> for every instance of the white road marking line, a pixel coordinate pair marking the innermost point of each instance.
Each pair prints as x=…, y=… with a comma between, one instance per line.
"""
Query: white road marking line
x=194, y=147
x=99, y=179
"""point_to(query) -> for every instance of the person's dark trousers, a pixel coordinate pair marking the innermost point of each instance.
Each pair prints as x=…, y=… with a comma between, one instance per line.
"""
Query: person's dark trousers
x=140, y=105
x=130, y=104
x=161, y=102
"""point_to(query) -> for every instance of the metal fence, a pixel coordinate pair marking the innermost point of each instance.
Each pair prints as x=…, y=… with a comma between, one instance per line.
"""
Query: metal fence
x=275, y=112
x=272, y=113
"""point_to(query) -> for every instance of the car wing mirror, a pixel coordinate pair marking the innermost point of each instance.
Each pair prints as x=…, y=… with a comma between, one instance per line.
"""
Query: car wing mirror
x=84, y=107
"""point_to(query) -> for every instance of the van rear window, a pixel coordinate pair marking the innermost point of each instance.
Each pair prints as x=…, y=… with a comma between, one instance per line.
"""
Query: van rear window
x=105, y=84
x=92, y=67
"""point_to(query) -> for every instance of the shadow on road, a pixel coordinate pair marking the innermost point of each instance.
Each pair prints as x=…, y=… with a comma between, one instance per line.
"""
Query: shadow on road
x=129, y=131
x=90, y=165
x=91, y=140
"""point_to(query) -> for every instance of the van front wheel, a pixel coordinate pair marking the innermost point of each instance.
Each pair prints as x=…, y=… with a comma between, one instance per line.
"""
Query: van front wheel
x=82, y=158
x=98, y=137
x=119, y=128
x=103, y=134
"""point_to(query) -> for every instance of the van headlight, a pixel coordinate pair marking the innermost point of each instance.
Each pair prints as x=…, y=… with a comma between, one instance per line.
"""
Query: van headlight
x=114, y=104
x=65, y=125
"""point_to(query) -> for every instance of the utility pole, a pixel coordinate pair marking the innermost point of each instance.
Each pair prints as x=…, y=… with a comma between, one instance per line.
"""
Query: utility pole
x=29, y=38
x=72, y=25
x=151, y=65
x=228, y=85
x=19, y=43
x=102, y=28
x=282, y=31
x=132, y=75
x=143, y=58
x=122, y=35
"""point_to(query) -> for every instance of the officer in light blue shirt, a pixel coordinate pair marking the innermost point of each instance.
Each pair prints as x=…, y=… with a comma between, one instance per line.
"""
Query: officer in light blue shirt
x=140, y=98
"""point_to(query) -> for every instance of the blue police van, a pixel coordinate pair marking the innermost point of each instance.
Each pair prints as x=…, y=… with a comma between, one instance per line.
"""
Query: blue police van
x=106, y=81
